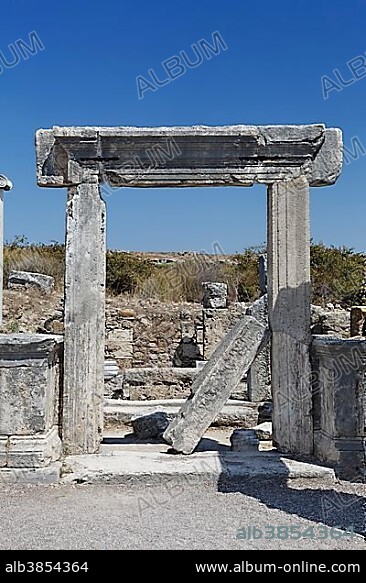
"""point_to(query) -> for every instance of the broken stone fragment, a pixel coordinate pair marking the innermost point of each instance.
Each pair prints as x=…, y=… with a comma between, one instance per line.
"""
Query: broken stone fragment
x=151, y=426
x=263, y=431
x=29, y=279
x=215, y=295
x=214, y=384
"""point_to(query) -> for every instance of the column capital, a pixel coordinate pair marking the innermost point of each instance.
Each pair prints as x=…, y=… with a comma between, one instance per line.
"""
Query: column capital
x=5, y=183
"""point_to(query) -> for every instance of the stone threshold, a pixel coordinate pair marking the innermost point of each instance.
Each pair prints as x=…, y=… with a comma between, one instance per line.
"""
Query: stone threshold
x=147, y=468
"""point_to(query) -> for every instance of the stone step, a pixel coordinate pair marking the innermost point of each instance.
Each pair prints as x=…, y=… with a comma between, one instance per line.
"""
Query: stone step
x=246, y=414
x=205, y=467
x=138, y=384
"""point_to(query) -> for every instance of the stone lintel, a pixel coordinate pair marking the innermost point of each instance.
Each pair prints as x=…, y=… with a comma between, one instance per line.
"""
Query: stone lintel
x=188, y=156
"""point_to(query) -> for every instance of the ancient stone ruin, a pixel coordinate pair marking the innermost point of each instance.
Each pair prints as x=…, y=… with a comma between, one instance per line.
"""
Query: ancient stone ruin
x=287, y=160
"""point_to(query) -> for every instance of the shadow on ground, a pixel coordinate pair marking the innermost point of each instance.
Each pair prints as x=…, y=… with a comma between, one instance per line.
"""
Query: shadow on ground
x=320, y=503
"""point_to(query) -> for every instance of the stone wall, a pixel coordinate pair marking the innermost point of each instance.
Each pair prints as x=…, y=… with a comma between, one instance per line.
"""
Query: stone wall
x=146, y=333
x=332, y=321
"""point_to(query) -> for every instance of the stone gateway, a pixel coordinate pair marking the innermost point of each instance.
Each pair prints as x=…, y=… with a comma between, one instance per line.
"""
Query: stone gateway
x=287, y=159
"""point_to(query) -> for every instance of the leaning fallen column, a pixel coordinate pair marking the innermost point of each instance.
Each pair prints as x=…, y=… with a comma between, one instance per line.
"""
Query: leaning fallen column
x=214, y=384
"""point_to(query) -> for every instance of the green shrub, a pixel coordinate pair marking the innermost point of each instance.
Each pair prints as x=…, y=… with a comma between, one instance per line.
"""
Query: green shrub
x=245, y=271
x=125, y=272
x=337, y=275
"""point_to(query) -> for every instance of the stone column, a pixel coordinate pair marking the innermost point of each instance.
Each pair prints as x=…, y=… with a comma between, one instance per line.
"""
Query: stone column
x=5, y=184
x=259, y=374
x=289, y=314
x=1, y=253
x=82, y=417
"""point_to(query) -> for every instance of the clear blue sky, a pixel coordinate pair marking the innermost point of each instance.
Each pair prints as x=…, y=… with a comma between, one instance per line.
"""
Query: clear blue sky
x=271, y=73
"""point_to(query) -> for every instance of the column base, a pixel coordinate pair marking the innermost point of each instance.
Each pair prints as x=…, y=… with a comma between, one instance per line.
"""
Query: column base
x=30, y=451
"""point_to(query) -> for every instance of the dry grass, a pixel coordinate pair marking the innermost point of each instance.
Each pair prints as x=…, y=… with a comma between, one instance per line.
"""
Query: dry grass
x=183, y=280
x=47, y=259
x=338, y=274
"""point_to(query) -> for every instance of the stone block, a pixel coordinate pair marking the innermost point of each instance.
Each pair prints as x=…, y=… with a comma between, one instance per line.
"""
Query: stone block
x=29, y=383
x=120, y=343
x=215, y=294
x=113, y=387
x=263, y=431
x=33, y=451
x=330, y=321
x=217, y=323
x=259, y=377
x=157, y=382
x=28, y=279
x=118, y=413
x=3, y=451
x=339, y=388
x=111, y=369
x=215, y=382
x=47, y=475
x=244, y=440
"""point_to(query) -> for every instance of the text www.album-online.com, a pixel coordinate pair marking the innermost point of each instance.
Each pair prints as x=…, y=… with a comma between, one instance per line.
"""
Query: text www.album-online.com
x=301, y=567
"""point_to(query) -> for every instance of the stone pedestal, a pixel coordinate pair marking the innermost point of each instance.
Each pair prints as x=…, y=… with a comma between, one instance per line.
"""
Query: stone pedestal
x=339, y=388
x=30, y=392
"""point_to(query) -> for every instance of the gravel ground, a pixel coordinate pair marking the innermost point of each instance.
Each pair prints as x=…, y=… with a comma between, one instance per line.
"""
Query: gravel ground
x=181, y=517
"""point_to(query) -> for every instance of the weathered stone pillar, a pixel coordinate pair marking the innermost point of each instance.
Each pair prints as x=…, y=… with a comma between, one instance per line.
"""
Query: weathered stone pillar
x=262, y=273
x=259, y=374
x=289, y=314
x=5, y=184
x=82, y=417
